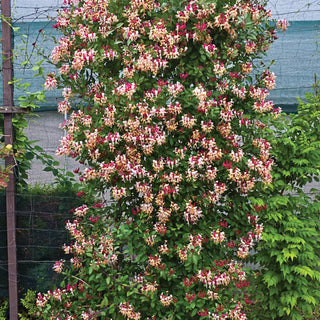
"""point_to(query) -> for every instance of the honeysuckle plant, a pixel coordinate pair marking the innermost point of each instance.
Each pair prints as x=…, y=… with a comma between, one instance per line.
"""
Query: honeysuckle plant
x=5, y=150
x=167, y=111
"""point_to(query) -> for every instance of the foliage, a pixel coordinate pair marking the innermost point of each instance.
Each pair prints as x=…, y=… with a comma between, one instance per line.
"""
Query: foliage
x=289, y=275
x=24, y=150
x=28, y=303
x=5, y=150
x=21, y=143
x=3, y=309
x=170, y=119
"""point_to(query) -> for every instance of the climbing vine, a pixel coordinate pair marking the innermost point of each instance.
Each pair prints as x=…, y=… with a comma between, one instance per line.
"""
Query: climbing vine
x=167, y=116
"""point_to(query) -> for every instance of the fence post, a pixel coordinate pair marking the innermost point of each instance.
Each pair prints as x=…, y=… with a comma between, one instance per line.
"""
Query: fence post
x=9, y=161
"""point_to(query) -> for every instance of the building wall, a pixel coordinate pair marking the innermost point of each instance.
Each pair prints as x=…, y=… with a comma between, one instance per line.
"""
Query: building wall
x=295, y=10
x=44, y=129
x=296, y=52
x=34, y=10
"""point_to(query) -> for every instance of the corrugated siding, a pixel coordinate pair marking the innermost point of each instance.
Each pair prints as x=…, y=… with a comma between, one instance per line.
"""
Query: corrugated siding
x=296, y=54
x=297, y=60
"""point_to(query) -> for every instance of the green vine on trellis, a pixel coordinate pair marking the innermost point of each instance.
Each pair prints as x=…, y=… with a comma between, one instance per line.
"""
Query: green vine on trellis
x=23, y=149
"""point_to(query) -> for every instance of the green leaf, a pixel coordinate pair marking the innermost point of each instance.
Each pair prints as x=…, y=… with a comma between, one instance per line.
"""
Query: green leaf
x=304, y=271
x=309, y=299
x=289, y=254
x=69, y=173
x=90, y=270
x=29, y=155
x=194, y=312
x=104, y=302
x=271, y=278
x=195, y=259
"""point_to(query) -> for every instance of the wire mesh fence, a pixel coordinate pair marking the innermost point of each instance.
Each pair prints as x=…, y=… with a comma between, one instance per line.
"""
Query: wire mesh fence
x=41, y=235
x=43, y=128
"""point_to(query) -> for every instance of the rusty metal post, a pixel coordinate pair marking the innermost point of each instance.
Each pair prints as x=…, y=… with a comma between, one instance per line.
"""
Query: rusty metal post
x=9, y=161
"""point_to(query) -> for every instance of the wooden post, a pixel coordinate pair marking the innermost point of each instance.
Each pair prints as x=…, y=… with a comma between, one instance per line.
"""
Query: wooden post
x=9, y=161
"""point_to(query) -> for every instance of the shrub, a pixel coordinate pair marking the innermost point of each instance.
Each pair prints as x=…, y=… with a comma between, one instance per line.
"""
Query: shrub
x=289, y=281
x=3, y=309
x=29, y=306
x=169, y=119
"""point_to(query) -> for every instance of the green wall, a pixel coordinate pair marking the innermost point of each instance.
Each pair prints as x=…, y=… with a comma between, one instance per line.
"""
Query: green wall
x=296, y=55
